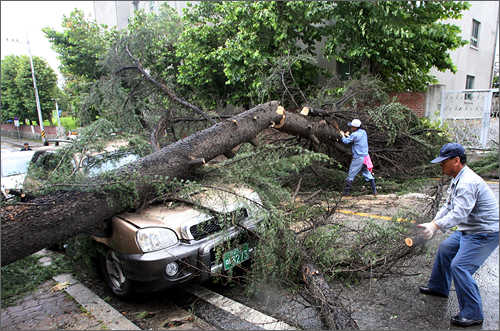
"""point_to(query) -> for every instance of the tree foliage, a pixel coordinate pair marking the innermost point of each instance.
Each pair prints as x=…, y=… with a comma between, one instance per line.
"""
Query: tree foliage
x=18, y=95
x=81, y=46
x=400, y=41
x=228, y=52
x=229, y=48
x=149, y=38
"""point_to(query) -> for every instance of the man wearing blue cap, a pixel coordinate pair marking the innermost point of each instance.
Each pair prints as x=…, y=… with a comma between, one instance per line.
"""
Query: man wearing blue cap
x=472, y=207
x=360, y=158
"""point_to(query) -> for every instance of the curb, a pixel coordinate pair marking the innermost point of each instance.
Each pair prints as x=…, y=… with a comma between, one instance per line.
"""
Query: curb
x=100, y=309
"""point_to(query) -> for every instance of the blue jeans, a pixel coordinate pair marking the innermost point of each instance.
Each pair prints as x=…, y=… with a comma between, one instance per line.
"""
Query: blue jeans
x=458, y=258
x=357, y=166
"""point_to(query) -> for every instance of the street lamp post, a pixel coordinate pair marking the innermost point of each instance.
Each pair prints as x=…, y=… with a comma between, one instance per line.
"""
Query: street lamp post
x=38, y=108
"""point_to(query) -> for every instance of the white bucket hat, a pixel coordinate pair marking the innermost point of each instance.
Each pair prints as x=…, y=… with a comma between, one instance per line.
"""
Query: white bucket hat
x=355, y=122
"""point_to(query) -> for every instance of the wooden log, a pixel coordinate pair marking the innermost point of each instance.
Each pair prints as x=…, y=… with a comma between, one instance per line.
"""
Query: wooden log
x=333, y=314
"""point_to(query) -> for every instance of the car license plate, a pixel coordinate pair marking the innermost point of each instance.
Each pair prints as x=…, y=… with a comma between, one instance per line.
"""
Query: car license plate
x=235, y=256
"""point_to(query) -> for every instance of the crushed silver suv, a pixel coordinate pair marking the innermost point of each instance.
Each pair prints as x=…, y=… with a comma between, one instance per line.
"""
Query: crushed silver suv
x=169, y=244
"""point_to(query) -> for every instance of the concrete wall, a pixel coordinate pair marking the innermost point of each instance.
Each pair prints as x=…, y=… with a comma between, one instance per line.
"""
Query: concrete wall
x=28, y=131
x=433, y=101
x=469, y=60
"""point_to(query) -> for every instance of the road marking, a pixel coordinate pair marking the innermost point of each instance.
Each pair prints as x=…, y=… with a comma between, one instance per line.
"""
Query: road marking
x=99, y=308
x=386, y=218
x=243, y=312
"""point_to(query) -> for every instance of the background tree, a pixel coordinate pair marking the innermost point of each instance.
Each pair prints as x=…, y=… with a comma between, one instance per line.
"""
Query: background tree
x=150, y=37
x=400, y=41
x=233, y=52
x=11, y=98
x=80, y=46
x=18, y=95
x=230, y=48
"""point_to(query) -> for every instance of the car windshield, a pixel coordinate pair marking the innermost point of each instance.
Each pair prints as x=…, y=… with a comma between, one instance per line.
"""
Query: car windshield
x=96, y=166
x=15, y=163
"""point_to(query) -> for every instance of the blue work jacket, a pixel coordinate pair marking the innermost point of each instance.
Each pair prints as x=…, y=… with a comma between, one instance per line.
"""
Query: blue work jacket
x=359, y=141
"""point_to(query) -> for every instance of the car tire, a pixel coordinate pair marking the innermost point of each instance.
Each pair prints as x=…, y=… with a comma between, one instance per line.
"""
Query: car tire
x=114, y=276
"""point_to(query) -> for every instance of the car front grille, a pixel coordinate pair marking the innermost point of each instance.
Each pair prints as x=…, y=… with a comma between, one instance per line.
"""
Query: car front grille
x=217, y=223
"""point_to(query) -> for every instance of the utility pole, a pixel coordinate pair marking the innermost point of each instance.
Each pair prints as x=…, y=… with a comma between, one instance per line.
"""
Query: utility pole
x=38, y=108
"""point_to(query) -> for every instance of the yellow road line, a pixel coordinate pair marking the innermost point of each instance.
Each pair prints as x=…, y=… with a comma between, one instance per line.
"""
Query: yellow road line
x=386, y=218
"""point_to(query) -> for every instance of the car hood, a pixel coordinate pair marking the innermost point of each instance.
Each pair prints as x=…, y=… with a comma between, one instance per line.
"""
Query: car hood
x=178, y=216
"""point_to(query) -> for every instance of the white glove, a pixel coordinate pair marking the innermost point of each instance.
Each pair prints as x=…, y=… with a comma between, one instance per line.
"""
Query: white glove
x=428, y=229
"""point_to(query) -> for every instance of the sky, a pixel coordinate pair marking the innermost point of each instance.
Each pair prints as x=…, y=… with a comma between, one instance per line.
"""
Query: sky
x=22, y=20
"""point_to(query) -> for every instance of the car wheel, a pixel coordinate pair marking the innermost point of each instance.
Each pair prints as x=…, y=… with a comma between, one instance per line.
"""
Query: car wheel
x=114, y=275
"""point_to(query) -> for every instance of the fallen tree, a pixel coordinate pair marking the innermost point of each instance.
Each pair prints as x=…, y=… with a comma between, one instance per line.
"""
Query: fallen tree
x=33, y=224
x=30, y=226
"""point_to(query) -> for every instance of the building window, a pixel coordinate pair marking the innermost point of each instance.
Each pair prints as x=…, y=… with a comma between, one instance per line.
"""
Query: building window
x=474, y=38
x=469, y=85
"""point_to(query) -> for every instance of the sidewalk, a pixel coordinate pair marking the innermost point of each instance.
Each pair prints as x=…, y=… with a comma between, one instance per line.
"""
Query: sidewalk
x=62, y=303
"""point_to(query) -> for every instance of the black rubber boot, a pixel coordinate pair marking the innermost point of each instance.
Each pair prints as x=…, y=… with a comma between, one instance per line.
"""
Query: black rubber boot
x=374, y=188
x=347, y=187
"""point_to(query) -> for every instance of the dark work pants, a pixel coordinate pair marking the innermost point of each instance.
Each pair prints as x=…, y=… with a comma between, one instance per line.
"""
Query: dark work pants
x=457, y=259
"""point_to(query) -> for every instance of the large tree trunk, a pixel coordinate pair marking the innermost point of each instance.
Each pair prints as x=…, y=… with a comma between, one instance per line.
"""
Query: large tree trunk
x=46, y=220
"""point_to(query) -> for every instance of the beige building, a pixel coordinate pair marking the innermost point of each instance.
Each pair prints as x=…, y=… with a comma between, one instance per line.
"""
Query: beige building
x=474, y=61
x=117, y=13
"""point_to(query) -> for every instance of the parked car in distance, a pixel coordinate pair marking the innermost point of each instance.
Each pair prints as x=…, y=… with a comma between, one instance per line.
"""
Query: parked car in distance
x=14, y=167
x=89, y=164
x=166, y=245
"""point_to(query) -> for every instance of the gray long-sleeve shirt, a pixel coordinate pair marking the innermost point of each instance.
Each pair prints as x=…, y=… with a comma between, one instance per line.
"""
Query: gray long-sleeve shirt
x=471, y=205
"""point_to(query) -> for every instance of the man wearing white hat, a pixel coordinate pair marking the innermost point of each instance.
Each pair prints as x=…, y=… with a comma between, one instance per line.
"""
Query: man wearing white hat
x=360, y=158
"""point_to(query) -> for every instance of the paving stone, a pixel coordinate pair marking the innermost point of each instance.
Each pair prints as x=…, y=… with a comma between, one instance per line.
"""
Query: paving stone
x=45, y=261
x=48, y=310
x=14, y=309
x=42, y=252
x=33, y=310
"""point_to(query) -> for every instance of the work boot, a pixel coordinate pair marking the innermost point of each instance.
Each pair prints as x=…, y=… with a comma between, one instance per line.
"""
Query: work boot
x=347, y=187
x=374, y=188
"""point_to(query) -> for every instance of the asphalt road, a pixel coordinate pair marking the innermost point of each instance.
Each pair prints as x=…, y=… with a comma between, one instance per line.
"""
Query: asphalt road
x=391, y=303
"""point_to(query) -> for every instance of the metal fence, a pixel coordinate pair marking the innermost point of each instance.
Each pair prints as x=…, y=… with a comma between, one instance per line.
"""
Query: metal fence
x=471, y=116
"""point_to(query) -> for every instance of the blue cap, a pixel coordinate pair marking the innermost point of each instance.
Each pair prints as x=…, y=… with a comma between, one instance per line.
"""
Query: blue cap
x=448, y=151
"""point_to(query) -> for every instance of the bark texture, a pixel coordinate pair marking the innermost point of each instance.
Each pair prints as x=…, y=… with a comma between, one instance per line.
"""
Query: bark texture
x=333, y=314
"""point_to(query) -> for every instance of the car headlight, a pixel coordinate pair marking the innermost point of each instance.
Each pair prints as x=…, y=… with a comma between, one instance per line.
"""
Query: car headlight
x=153, y=239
